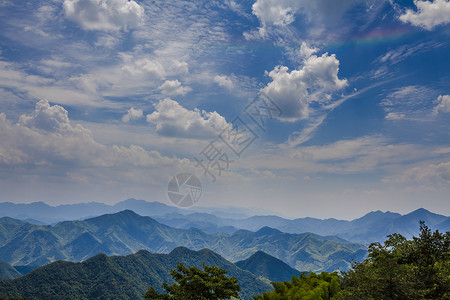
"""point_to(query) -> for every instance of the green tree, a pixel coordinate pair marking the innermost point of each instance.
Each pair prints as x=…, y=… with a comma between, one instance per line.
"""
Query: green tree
x=403, y=269
x=323, y=286
x=194, y=284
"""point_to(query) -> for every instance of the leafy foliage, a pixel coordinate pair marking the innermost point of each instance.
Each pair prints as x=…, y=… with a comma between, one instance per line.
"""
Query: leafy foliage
x=195, y=284
x=403, y=269
x=323, y=286
x=397, y=269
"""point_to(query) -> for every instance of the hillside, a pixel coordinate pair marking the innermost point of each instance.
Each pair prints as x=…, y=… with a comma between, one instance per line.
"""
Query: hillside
x=265, y=265
x=126, y=232
x=7, y=271
x=119, y=277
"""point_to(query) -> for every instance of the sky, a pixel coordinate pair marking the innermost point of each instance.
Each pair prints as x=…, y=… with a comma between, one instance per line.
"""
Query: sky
x=323, y=108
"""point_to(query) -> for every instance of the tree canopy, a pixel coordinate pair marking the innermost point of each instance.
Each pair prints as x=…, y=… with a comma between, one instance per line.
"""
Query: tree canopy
x=397, y=269
x=323, y=286
x=403, y=269
x=191, y=283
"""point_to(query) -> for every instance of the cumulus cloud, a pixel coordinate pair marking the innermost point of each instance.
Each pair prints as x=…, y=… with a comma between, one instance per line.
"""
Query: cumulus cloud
x=429, y=14
x=171, y=119
x=306, y=50
x=443, y=104
x=47, y=139
x=132, y=114
x=224, y=81
x=49, y=118
x=276, y=12
x=173, y=87
x=296, y=90
x=109, y=15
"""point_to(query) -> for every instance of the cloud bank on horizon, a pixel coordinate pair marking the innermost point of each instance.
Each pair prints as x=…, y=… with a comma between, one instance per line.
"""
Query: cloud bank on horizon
x=103, y=100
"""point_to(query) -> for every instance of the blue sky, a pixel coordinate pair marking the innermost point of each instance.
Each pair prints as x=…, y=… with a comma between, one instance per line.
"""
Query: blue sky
x=103, y=100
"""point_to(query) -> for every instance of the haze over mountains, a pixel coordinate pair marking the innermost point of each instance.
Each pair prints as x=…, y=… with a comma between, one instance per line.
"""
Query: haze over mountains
x=42, y=212
x=126, y=232
x=256, y=249
x=372, y=227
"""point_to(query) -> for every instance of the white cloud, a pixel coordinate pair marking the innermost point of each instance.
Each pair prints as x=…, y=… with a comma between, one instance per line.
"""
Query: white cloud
x=306, y=50
x=276, y=12
x=443, y=104
x=404, y=51
x=224, y=81
x=438, y=173
x=173, y=87
x=107, y=15
x=135, y=66
x=280, y=13
x=107, y=41
x=314, y=82
x=408, y=103
x=429, y=14
x=34, y=86
x=171, y=119
x=395, y=116
x=46, y=142
x=134, y=74
x=359, y=155
x=45, y=117
x=133, y=114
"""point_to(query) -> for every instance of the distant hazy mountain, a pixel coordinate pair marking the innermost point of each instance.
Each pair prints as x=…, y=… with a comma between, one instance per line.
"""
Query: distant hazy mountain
x=265, y=265
x=126, y=232
x=41, y=212
x=204, y=221
x=37, y=212
x=120, y=277
x=7, y=271
x=373, y=227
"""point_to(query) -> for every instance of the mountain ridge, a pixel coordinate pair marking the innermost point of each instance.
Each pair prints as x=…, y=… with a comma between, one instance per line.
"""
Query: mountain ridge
x=267, y=266
x=120, y=277
x=372, y=227
x=127, y=232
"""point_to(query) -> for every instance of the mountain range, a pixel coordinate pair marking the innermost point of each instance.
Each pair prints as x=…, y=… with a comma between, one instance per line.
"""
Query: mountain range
x=126, y=232
x=120, y=277
x=40, y=212
x=372, y=227
x=267, y=266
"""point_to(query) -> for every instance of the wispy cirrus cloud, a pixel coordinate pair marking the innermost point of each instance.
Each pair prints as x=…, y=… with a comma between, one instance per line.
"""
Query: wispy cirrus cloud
x=409, y=103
